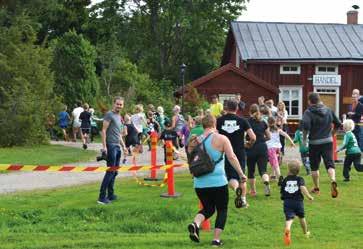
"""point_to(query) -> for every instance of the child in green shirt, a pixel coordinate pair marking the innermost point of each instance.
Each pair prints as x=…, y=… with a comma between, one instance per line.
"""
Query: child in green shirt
x=352, y=150
x=304, y=151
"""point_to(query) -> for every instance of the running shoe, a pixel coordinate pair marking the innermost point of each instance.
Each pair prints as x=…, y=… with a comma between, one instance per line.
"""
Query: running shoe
x=334, y=190
x=103, y=201
x=193, y=232
x=217, y=243
x=112, y=197
x=315, y=191
x=287, y=237
x=267, y=189
x=307, y=234
x=85, y=146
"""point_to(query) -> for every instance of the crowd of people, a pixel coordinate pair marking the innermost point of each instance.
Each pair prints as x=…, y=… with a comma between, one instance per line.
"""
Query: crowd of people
x=246, y=141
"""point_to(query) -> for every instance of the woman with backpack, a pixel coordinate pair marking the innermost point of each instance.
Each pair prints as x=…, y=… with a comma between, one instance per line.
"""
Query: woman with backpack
x=212, y=188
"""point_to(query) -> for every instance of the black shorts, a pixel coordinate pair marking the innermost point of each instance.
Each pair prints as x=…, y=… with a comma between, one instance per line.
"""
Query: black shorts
x=316, y=152
x=293, y=208
x=257, y=155
x=231, y=173
x=86, y=130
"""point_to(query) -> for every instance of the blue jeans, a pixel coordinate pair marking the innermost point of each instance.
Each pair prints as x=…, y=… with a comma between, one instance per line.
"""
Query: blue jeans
x=113, y=159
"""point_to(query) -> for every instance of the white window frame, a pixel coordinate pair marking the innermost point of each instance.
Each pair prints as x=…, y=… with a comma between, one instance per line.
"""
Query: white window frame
x=290, y=88
x=226, y=96
x=320, y=89
x=336, y=69
x=282, y=71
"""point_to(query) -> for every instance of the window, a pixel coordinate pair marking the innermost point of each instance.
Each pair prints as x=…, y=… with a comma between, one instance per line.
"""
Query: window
x=223, y=97
x=289, y=69
x=292, y=97
x=326, y=69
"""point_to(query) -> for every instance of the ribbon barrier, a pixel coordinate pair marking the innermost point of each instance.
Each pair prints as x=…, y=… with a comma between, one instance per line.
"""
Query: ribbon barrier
x=66, y=168
x=170, y=171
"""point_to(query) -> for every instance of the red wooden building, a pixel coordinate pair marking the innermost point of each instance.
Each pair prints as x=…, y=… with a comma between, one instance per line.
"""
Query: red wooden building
x=286, y=61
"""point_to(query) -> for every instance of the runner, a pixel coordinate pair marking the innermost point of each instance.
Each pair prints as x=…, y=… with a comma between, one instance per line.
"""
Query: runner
x=85, y=118
x=257, y=153
x=318, y=121
x=304, y=150
x=234, y=128
x=352, y=152
x=292, y=190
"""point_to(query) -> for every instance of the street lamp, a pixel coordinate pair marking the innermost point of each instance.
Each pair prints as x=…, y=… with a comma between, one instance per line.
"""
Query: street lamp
x=182, y=73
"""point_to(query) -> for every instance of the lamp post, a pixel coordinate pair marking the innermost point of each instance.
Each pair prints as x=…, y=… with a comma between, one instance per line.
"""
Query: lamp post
x=182, y=73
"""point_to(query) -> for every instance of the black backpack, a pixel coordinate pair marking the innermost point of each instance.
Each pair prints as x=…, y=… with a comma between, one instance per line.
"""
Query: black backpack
x=200, y=163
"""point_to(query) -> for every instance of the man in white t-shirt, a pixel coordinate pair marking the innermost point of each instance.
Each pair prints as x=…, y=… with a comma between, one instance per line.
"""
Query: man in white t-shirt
x=75, y=117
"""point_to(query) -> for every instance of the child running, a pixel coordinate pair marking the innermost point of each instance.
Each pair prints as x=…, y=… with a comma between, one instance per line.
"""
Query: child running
x=304, y=150
x=292, y=191
x=274, y=147
x=169, y=134
x=352, y=150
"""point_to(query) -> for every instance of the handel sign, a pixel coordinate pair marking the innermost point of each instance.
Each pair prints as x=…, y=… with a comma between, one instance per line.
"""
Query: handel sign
x=327, y=80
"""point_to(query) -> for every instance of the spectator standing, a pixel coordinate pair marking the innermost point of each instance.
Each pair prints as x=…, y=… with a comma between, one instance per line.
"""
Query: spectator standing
x=111, y=142
x=318, y=121
x=63, y=121
x=356, y=115
x=75, y=117
x=241, y=104
x=270, y=104
x=282, y=115
x=234, y=128
x=216, y=107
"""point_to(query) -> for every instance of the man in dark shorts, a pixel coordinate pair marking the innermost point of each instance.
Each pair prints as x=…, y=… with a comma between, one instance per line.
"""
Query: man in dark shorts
x=111, y=143
x=234, y=128
x=318, y=121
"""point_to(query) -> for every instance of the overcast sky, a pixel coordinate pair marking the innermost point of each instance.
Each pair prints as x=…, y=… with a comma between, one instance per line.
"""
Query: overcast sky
x=316, y=11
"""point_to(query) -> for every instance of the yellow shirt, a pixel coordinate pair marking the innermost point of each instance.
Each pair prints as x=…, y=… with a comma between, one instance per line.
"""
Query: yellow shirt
x=216, y=109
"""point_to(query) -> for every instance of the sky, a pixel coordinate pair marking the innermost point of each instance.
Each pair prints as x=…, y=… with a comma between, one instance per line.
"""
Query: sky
x=310, y=11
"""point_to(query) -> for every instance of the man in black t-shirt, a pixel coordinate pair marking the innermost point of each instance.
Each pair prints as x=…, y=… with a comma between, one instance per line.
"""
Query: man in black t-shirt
x=292, y=190
x=234, y=128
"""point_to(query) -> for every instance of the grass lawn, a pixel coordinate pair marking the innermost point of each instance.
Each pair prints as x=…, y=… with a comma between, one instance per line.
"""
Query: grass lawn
x=70, y=218
x=45, y=154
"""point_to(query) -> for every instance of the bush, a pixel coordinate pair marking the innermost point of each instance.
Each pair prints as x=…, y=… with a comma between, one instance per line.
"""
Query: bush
x=26, y=85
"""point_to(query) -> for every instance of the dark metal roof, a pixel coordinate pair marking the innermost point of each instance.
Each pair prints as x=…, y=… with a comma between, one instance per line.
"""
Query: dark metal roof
x=298, y=41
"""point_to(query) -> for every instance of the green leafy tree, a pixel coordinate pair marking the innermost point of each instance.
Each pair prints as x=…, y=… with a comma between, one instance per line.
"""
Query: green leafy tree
x=74, y=69
x=26, y=85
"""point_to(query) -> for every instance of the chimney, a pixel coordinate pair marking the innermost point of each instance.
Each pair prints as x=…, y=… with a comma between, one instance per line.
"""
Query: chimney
x=352, y=17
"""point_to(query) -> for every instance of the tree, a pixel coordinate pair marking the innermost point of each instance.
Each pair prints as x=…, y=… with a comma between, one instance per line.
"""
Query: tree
x=26, y=85
x=74, y=69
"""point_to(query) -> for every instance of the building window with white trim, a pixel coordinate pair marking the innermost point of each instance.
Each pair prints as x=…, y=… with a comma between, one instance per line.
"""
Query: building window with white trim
x=326, y=69
x=290, y=69
x=292, y=97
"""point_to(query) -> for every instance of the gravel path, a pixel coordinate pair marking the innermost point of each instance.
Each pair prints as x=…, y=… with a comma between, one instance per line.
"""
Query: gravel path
x=27, y=181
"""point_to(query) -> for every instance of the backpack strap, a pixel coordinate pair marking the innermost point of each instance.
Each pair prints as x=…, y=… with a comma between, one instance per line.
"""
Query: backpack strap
x=203, y=142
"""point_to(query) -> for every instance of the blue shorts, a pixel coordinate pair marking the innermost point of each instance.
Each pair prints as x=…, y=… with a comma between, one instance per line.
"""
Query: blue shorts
x=293, y=208
x=63, y=126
